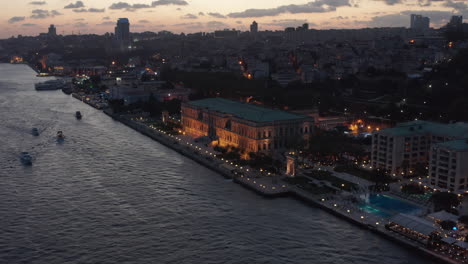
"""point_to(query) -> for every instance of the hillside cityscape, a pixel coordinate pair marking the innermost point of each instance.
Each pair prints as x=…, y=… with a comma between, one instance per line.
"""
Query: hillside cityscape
x=368, y=125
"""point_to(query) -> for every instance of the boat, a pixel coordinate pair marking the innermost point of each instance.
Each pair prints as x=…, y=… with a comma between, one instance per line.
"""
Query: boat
x=78, y=115
x=49, y=85
x=67, y=90
x=60, y=135
x=35, y=131
x=26, y=159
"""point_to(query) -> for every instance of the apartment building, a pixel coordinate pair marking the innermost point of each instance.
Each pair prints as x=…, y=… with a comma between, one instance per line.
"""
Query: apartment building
x=399, y=149
x=448, y=166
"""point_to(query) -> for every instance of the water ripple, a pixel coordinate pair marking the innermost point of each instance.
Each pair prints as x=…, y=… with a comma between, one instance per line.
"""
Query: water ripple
x=110, y=195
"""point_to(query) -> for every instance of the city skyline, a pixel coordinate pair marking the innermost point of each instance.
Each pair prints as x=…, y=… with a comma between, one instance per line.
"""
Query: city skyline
x=33, y=17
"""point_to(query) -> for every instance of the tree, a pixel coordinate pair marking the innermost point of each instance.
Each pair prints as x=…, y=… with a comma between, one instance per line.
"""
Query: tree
x=444, y=201
x=412, y=189
x=448, y=225
x=463, y=219
x=420, y=169
x=405, y=166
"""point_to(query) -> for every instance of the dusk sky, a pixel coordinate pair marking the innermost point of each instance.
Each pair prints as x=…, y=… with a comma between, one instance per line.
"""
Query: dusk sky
x=29, y=17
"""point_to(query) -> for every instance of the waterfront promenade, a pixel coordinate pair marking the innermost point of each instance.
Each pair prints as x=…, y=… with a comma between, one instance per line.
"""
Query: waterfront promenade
x=269, y=186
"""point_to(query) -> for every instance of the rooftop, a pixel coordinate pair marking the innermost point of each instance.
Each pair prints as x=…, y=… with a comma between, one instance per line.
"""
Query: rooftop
x=246, y=111
x=461, y=144
x=414, y=223
x=456, y=130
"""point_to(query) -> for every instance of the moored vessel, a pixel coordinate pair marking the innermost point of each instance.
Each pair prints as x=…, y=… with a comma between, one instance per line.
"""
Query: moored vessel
x=26, y=158
x=49, y=85
x=35, y=131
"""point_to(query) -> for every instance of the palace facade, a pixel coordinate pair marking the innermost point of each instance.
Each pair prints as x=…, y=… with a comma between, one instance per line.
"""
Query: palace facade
x=246, y=126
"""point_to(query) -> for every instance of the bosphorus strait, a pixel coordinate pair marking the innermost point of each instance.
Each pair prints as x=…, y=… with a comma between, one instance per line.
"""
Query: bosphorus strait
x=108, y=194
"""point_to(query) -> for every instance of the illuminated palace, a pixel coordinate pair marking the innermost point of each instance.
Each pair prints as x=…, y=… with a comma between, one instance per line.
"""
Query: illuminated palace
x=246, y=126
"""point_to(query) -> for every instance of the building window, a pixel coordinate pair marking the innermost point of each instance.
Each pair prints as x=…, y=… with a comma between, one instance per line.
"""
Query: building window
x=228, y=125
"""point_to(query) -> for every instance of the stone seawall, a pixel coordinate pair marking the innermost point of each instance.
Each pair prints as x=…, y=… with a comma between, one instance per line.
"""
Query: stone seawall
x=291, y=192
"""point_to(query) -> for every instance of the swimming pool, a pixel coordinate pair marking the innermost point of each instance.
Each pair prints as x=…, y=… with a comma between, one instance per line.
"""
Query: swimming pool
x=387, y=206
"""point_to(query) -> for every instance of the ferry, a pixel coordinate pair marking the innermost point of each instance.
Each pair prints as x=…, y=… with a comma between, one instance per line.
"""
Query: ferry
x=26, y=159
x=78, y=115
x=49, y=85
x=35, y=131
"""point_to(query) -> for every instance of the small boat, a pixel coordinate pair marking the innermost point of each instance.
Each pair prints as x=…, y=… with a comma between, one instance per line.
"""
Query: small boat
x=60, y=135
x=50, y=85
x=67, y=90
x=26, y=159
x=78, y=115
x=35, y=131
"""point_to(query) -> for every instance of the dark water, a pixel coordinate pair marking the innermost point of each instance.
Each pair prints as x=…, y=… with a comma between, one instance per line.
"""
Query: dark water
x=110, y=195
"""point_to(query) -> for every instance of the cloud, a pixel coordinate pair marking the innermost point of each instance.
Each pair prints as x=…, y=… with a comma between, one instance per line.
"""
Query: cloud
x=189, y=16
x=169, y=2
x=392, y=2
x=192, y=25
x=402, y=19
x=16, y=19
x=41, y=13
x=106, y=18
x=28, y=25
x=217, y=15
x=288, y=22
x=106, y=23
x=38, y=3
x=458, y=6
x=78, y=4
x=216, y=25
x=89, y=10
x=319, y=6
x=80, y=24
x=201, y=13
x=144, y=21
x=127, y=6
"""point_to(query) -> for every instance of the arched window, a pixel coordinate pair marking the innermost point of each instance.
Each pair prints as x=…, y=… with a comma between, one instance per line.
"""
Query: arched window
x=228, y=125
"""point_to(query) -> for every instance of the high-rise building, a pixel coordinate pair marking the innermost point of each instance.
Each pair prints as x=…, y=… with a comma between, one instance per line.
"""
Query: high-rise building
x=254, y=27
x=419, y=22
x=448, y=166
x=52, y=31
x=122, y=30
x=456, y=23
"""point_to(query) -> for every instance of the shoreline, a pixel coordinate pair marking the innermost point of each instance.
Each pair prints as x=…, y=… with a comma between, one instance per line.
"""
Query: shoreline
x=291, y=192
